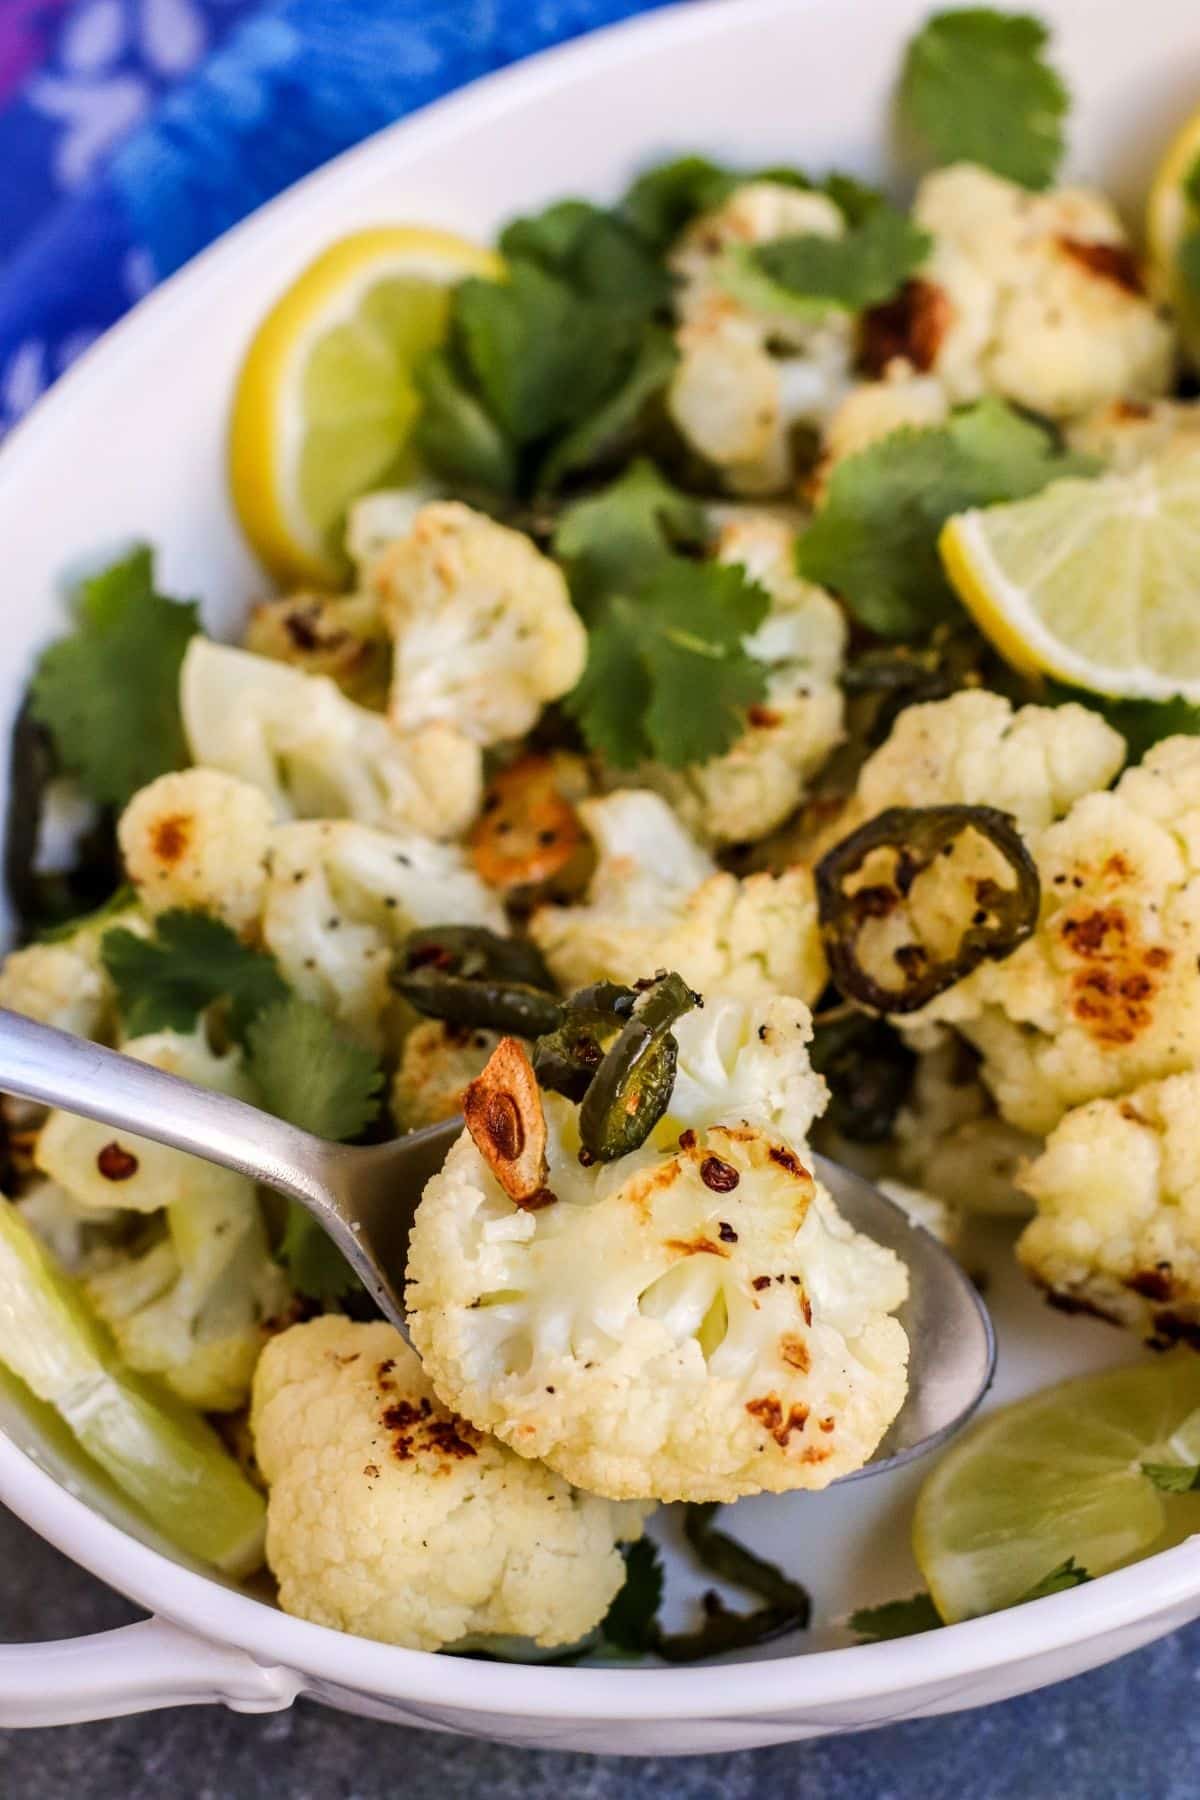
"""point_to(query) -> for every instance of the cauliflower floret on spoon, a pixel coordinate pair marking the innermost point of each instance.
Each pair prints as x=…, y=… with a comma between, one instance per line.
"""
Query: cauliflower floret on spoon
x=391, y=1518
x=657, y=899
x=754, y=786
x=485, y=633
x=692, y=1321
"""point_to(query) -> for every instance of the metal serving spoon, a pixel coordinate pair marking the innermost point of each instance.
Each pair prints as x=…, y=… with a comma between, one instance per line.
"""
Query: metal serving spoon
x=365, y=1198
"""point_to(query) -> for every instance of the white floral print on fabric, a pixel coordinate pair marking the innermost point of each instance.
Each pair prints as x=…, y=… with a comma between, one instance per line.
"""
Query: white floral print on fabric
x=112, y=60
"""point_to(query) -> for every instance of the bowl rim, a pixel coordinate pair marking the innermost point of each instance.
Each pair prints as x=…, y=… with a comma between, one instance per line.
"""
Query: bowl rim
x=948, y=1659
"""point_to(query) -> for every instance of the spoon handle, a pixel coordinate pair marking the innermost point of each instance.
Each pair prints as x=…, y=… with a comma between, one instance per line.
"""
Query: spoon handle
x=38, y=1062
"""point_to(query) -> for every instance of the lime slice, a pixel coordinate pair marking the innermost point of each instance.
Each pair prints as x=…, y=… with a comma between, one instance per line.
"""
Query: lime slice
x=1172, y=216
x=1096, y=582
x=1056, y=1476
x=162, y=1456
x=325, y=400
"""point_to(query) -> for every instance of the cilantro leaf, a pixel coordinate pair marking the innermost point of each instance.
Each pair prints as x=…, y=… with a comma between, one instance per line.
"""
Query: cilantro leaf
x=874, y=540
x=631, y=1622
x=109, y=692
x=977, y=88
x=542, y=356
x=666, y=198
x=166, y=981
x=612, y=539
x=1173, y=1478
x=613, y=695
x=118, y=902
x=1068, y=1574
x=595, y=252
x=896, y=1619
x=602, y=436
x=865, y=267
x=454, y=433
x=310, y=1073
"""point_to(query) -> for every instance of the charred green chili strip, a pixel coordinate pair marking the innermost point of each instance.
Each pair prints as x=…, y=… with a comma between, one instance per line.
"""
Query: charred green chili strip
x=788, y=1606
x=869, y=1069
x=469, y=976
x=1001, y=918
x=567, y=1058
x=631, y=1089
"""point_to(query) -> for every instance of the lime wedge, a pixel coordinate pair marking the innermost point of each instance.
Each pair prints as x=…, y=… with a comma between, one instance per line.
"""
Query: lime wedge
x=161, y=1455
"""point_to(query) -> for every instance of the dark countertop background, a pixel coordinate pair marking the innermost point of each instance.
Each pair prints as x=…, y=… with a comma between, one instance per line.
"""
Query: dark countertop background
x=1126, y=1732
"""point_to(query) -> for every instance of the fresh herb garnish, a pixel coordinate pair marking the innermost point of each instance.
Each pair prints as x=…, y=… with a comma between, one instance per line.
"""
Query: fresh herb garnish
x=1173, y=1478
x=874, y=541
x=666, y=198
x=896, y=1619
x=108, y=692
x=864, y=268
x=977, y=88
x=164, y=982
x=310, y=1073
x=1068, y=1574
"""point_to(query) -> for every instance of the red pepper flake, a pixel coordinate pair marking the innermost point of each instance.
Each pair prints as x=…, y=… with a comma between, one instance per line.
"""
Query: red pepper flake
x=116, y=1163
x=726, y=1233
x=760, y=1282
x=720, y=1176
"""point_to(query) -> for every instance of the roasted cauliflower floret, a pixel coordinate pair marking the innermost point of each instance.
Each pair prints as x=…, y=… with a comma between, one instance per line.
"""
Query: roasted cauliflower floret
x=974, y=749
x=484, y=630
x=438, y=1062
x=199, y=839
x=1126, y=433
x=950, y=1142
x=754, y=786
x=393, y=1519
x=1106, y=994
x=1040, y=298
x=64, y=983
x=188, y=1299
x=694, y=1321
x=342, y=636
x=874, y=409
x=751, y=370
x=1117, y=1191
x=656, y=900
x=317, y=755
x=340, y=898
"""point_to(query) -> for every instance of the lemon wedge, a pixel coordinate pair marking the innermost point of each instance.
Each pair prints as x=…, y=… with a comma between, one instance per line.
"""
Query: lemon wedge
x=1095, y=582
x=325, y=400
x=1056, y=1476
x=1171, y=215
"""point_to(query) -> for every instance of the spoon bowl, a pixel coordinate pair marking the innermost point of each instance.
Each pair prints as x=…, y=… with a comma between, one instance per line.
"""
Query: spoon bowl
x=366, y=1197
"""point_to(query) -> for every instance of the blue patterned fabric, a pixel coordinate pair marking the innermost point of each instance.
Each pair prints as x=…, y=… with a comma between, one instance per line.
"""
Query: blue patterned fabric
x=133, y=132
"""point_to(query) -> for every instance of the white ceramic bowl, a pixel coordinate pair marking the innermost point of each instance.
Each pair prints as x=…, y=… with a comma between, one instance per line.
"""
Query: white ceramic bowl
x=131, y=444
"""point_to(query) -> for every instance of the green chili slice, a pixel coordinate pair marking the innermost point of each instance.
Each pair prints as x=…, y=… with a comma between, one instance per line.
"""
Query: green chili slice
x=470, y=976
x=869, y=1070
x=567, y=1058
x=631, y=1089
x=1001, y=916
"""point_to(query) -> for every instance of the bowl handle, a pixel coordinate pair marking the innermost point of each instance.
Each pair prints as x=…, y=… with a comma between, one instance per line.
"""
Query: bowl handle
x=137, y=1668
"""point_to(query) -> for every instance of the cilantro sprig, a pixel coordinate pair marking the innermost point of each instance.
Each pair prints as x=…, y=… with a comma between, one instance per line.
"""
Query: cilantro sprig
x=668, y=196
x=866, y=266
x=305, y=1069
x=917, y=1613
x=874, y=540
x=977, y=87
x=668, y=678
x=108, y=692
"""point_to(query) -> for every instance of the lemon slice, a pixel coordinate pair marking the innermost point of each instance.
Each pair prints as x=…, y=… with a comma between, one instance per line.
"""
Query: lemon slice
x=1056, y=1476
x=325, y=399
x=1170, y=216
x=1096, y=582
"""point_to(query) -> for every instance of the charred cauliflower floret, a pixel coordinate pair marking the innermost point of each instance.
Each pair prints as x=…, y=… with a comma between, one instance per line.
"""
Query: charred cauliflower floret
x=1126, y=433
x=340, y=899
x=342, y=636
x=874, y=409
x=1106, y=994
x=315, y=754
x=188, y=1298
x=750, y=371
x=198, y=839
x=974, y=749
x=1117, y=1191
x=391, y=1518
x=754, y=786
x=1035, y=297
x=65, y=983
x=438, y=1063
x=484, y=630
x=657, y=900
x=694, y=1321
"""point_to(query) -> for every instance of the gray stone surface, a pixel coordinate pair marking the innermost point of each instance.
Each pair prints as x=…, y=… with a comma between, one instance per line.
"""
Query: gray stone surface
x=1124, y=1733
